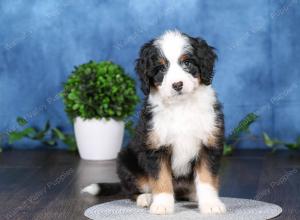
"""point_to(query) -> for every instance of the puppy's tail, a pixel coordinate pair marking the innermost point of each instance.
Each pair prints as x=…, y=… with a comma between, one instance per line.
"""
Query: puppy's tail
x=102, y=189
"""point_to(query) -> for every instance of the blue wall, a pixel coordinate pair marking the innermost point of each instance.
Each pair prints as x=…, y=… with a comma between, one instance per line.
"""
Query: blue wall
x=258, y=43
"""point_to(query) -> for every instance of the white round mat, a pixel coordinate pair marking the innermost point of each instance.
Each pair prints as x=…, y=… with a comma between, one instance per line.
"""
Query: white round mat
x=236, y=209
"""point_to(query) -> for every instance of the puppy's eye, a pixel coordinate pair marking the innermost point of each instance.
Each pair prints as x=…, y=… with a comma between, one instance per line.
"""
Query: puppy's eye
x=187, y=63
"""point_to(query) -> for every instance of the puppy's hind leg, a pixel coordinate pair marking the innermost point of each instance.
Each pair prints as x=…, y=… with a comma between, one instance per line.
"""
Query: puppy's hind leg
x=129, y=172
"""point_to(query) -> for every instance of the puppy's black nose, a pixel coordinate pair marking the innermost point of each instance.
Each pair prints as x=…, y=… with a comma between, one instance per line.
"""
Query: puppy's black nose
x=177, y=86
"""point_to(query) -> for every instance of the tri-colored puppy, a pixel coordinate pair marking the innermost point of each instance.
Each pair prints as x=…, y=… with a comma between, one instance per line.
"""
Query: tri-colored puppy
x=178, y=143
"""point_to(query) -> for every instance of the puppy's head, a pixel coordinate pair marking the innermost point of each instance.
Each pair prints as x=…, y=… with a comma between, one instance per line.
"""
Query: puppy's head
x=175, y=64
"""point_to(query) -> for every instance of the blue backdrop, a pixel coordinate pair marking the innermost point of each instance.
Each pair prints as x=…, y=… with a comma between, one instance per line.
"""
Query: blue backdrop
x=257, y=43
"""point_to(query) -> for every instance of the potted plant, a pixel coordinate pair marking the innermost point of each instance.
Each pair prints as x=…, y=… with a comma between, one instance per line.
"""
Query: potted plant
x=98, y=97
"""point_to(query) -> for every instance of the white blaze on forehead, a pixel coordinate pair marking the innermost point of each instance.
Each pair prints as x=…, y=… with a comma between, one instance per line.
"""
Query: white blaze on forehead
x=172, y=44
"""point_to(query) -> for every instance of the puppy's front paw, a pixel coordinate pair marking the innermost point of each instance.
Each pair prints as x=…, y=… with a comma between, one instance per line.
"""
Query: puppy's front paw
x=212, y=206
x=144, y=200
x=163, y=203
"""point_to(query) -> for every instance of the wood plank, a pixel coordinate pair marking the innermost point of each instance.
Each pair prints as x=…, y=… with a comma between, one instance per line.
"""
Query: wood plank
x=239, y=177
x=279, y=183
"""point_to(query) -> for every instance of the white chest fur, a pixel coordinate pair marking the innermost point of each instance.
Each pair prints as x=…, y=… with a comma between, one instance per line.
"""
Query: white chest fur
x=184, y=125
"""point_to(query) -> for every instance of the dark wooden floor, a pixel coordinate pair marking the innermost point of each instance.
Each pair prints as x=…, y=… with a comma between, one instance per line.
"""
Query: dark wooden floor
x=46, y=184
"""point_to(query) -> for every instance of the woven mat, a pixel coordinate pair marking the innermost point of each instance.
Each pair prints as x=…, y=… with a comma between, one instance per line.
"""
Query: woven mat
x=236, y=209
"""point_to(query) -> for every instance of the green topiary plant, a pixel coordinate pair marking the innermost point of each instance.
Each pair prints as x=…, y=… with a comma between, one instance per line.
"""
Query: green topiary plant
x=99, y=90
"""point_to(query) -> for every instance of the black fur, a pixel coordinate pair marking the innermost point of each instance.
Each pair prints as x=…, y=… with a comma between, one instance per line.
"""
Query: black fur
x=145, y=65
x=205, y=58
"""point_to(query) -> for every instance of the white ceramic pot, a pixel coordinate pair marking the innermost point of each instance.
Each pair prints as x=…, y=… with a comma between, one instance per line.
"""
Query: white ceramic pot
x=98, y=139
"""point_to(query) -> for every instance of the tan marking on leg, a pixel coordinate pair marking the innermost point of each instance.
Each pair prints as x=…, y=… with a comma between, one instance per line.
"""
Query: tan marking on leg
x=162, y=190
x=207, y=189
x=164, y=181
x=143, y=184
x=205, y=174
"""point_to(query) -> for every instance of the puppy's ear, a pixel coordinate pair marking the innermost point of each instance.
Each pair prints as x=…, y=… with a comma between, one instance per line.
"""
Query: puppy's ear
x=206, y=58
x=140, y=68
x=143, y=65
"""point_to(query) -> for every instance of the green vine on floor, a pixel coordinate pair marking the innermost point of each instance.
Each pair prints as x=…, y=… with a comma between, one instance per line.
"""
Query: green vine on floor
x=274, y=144
x=48, y=135
x=242, y=132
x=238, y=133
x=53, y=136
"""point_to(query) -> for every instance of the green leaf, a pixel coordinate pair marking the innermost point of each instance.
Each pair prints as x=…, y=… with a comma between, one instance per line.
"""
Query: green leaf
x=18, y=135
x=41, y=134
x=245, y=123
x=228, y=149
x=243, y=127
x=21, y=121
x=58, y=133
x=70, y=142
x=267, y=140
x=72, y=96
x=50, y=142
x=76, y=106
x=129, y=126
x=292, y=146
x=272, y=143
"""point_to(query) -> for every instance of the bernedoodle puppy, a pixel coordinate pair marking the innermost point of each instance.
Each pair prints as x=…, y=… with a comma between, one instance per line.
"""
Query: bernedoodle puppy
x=176, y=150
